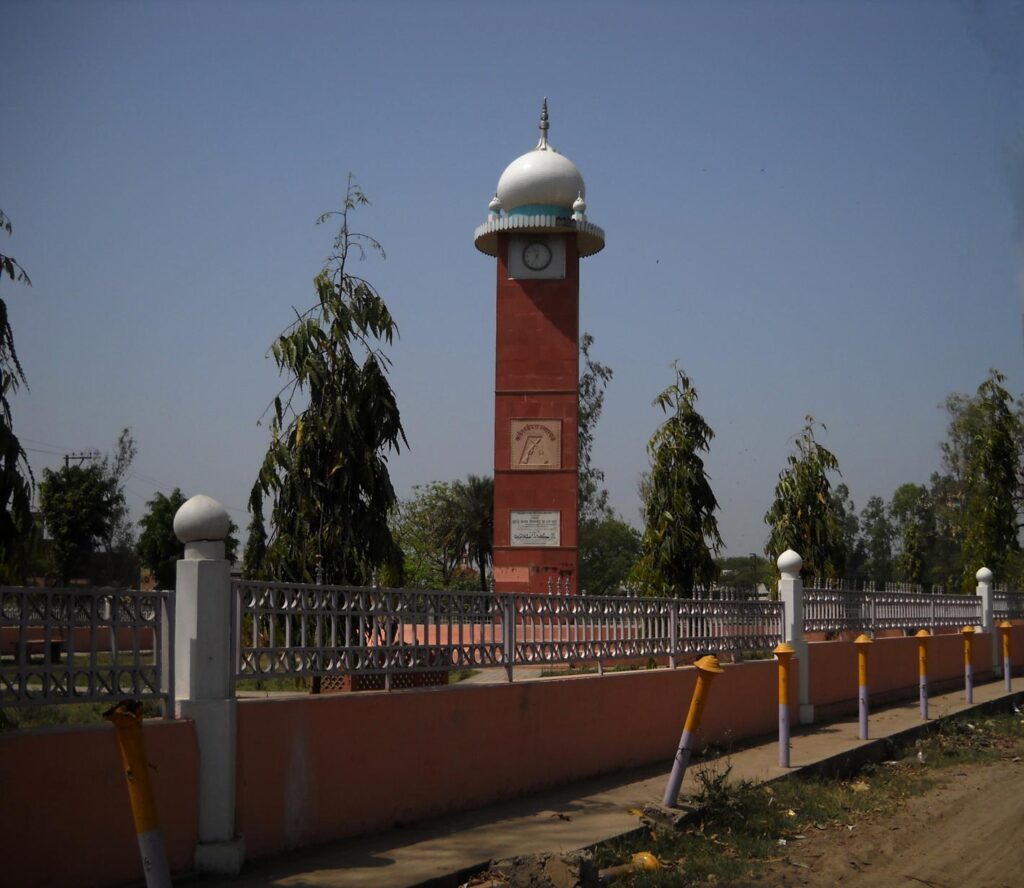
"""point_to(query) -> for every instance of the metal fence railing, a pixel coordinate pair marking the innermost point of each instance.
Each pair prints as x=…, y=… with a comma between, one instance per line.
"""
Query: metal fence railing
x=85, y=645
x=1008, y=605
x=839, y=611
x=292, y=629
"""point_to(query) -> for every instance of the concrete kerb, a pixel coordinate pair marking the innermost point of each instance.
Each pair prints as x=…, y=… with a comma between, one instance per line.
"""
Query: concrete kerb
x=839, y=765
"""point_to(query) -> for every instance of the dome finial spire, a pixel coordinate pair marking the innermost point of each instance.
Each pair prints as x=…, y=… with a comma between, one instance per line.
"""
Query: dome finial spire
x=543, y=143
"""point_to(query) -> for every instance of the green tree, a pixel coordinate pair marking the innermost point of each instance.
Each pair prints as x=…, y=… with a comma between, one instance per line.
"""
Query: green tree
x=982, y=456
x=158, y=547
x=851, y=565
x=746, y=571
x=474, y=521
x=913, y=523
x=591, y=498
x=680, y=536
x=425, y=527
x=876, y=540
x=804, y=516
x=608, y=549
x=325, y=471
x=17, y=532
x=84, y=510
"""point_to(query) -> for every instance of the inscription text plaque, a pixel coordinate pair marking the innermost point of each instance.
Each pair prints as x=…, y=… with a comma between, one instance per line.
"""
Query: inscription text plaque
x=536, y=529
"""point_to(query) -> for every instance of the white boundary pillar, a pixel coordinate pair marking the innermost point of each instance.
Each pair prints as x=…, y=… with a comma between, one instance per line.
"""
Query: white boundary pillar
x=791, y=593
x=203, y=682
x=986, y=593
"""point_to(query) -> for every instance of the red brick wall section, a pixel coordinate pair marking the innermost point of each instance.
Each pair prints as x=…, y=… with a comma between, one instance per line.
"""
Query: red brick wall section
x=65, y=818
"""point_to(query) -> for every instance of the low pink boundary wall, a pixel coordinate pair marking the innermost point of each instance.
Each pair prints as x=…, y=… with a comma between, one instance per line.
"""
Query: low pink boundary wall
x=65, y=818
x=892, y=668
x=317, y=769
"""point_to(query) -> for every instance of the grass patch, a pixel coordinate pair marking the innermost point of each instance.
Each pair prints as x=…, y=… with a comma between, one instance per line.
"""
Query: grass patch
x=743, y=826
x=28, y=717
x=457, y=675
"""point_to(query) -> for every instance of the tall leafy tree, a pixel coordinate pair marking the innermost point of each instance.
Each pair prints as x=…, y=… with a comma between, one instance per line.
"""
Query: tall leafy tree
x=332, y=426
x=913, y=522
x=803, y=516
x=851, y=564
x=982, y=455
x=16, y=480
x=876, y=540
x=592, y=498
x=84, y=510
x=680, y=537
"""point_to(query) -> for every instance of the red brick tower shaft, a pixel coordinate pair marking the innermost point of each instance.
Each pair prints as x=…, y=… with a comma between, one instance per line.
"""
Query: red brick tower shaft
x=536, y=405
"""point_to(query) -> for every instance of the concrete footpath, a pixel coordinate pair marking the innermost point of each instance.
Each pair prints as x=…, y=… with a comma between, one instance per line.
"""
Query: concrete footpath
x=574, y=816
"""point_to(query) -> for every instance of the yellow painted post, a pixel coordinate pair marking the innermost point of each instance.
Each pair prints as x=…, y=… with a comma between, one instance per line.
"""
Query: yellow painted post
x=863, y=644
x=707, y=669
x=922, y=637
x=1004, y=632
x=968, y=633
x=127, y=720
x=784, y=653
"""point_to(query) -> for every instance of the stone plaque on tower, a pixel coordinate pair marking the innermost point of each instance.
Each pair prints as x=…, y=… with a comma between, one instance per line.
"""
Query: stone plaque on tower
x=537, y=229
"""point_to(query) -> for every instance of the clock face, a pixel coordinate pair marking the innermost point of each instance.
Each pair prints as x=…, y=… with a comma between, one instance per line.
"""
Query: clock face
x=537, y=255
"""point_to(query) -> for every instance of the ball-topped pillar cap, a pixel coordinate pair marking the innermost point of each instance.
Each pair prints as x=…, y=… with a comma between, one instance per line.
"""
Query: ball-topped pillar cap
x=984, y=575
x=202, y=524
x=790, y=564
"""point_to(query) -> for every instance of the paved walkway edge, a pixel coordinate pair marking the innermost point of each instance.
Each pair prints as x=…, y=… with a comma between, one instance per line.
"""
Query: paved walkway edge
x=839, y=765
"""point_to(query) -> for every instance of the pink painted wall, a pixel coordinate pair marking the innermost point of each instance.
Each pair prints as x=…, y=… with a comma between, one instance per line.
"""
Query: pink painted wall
x=311, y=770
x=65, y=818
x=892, y=666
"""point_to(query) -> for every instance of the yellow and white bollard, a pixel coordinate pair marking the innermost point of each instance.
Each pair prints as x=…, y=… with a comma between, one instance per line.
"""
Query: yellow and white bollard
x=707, y=669
x=968, y=633
x=784, y=653
x=922, y=637
x=127, y=720
x=863, y=644
x=1004, y=632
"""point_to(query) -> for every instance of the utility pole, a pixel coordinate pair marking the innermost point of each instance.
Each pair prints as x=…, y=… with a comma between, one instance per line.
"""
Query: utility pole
x=79, y=457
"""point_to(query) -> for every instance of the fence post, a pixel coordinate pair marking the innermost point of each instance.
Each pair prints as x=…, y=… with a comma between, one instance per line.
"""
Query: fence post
x=968, y=633
x=863, y=645
x=204, y=687
x=1004, y=632
x=922, y=637
x=986, y=592
x=791, y=593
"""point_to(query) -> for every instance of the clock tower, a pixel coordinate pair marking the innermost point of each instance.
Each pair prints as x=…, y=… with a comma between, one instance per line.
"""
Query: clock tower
x=538, y=231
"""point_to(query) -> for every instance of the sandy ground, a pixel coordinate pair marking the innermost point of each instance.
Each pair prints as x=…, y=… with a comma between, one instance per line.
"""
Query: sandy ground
x=965, y=832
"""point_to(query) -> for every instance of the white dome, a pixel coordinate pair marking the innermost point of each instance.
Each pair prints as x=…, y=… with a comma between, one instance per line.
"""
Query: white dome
x=541, y=177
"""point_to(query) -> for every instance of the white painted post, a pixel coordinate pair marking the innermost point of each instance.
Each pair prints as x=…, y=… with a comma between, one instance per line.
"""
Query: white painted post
x=204, y=688
x=986, y=592
x=791, y=593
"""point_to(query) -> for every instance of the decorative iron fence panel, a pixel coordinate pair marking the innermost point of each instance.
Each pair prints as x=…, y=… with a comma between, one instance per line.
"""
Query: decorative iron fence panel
x=85, y=645
x=847, y=611
x=292, y=629
x=1008, y=605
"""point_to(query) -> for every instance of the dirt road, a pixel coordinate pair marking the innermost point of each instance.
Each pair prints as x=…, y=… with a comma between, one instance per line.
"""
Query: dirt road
x=966, y=832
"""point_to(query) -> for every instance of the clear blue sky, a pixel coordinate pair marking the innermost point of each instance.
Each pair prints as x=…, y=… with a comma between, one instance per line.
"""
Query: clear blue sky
x=809, y=205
